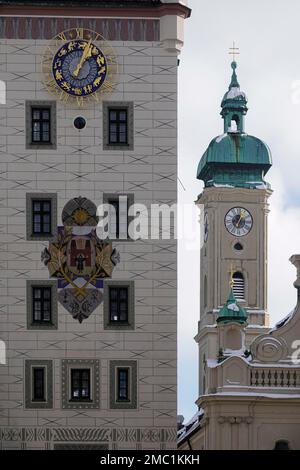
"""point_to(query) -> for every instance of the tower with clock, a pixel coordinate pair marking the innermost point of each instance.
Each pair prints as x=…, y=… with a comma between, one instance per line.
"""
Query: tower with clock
x=89, y=322
x=234, y=207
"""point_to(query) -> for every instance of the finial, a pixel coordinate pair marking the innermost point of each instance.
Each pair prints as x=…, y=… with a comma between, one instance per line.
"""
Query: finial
x=234, y=51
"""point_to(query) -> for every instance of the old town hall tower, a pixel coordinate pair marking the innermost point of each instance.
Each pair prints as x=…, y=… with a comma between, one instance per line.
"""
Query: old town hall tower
x=89, y=324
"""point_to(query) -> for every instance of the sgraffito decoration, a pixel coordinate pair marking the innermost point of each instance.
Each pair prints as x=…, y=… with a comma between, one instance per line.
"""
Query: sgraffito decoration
x=79, y=259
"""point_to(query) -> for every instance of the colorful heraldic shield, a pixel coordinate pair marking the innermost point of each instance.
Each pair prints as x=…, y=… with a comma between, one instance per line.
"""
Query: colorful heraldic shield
x=79, y=259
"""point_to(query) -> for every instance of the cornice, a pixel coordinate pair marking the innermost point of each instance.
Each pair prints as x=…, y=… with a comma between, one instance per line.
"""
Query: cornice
x=40, y=9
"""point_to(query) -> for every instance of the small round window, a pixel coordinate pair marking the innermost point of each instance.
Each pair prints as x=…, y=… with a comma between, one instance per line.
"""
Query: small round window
x=238, y=247
x=79, y=123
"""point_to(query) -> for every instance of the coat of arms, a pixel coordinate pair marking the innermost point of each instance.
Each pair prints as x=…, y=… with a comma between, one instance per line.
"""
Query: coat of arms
x=79, y=259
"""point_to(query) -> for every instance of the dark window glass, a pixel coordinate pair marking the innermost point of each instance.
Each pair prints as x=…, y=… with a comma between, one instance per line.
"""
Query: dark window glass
x=41, y=304
x=118, y=218
x=41, y=125
x=39, y=384
x=115, y=224
x=123, y=384
x=80, y=384
x=118, y=304
x=118, y=126
x=41, y=217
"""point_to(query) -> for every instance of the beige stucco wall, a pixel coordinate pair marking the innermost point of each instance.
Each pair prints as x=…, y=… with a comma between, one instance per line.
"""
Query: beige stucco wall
x=148, y=77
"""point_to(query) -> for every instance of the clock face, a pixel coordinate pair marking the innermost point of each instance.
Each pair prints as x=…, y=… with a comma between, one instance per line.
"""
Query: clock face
x=238, y=221
x=206, y=227
x=79, y=66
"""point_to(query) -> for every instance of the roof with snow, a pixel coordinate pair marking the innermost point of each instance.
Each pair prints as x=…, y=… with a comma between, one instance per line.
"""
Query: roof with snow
x=235, y=158
x=190, y=427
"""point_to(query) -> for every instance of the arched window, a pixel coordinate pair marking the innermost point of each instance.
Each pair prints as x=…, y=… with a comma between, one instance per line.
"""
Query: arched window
x=282, y=445
x=234, y=123
x=233, y=126
x=205, y=292
x=239, y=286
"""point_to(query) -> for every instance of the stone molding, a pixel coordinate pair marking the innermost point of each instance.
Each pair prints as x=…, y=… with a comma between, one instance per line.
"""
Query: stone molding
x=29, y=198
x=29, y=403
x=132, y=366
x=235, y=419
x=129, y=106
x=54, y=306
x=67, y=365
x=131, y=306
x=28, y=124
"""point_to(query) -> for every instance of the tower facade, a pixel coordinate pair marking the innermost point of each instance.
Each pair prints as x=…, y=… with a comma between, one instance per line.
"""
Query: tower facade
x=90, y=329
x=234, y=208
x=249, y=374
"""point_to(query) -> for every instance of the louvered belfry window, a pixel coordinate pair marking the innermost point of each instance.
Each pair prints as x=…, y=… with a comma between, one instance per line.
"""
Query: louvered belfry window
x=239, y=286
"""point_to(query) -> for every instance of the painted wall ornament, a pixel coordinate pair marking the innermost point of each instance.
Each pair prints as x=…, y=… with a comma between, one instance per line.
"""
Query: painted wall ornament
x=79, y=259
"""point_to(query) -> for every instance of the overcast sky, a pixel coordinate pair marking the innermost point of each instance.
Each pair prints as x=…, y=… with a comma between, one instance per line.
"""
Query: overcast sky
x=268, y=35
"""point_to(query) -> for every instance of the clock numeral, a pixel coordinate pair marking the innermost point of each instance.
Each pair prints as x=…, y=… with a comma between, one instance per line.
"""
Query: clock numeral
x=62, y=36
x=79, y=32
x=64, y=97
x=51, y=83
x=95, y=96
x=79, y=100
x=107, y=86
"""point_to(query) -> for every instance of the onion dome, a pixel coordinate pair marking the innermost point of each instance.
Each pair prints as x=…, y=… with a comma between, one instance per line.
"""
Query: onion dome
x=235, y=158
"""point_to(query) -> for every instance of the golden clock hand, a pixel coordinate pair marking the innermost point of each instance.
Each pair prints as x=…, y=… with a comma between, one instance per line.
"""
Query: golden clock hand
x=85, y=55
x=242, y=216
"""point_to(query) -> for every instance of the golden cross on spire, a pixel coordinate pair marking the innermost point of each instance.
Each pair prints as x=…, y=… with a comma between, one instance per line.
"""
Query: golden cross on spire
x=234, y=51
x=231, y=276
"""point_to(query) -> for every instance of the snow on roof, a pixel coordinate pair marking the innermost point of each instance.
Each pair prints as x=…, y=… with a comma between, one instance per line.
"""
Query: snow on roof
x=234, y=92
x=190, y=426
x=284, y=321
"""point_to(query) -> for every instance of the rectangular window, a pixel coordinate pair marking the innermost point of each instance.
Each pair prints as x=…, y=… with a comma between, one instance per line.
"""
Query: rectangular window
x=38, y=383
x=41, y=125
x=38, y=388
x=118, y=217
x=118, y=304
x=41, y=304
x=41, y=217
x=122, y=384
x=80, y=384
x=118, y=126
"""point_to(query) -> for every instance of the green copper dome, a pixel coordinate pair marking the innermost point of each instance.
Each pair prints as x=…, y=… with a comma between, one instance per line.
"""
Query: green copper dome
x=235, y=158
x=232, y=312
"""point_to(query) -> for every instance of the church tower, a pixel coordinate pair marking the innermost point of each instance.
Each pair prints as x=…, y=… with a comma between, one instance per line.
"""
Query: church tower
x=234, y=213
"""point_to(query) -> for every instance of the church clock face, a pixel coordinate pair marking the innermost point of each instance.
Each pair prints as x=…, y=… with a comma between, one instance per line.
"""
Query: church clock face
x=238, y=221
x=79, y=66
